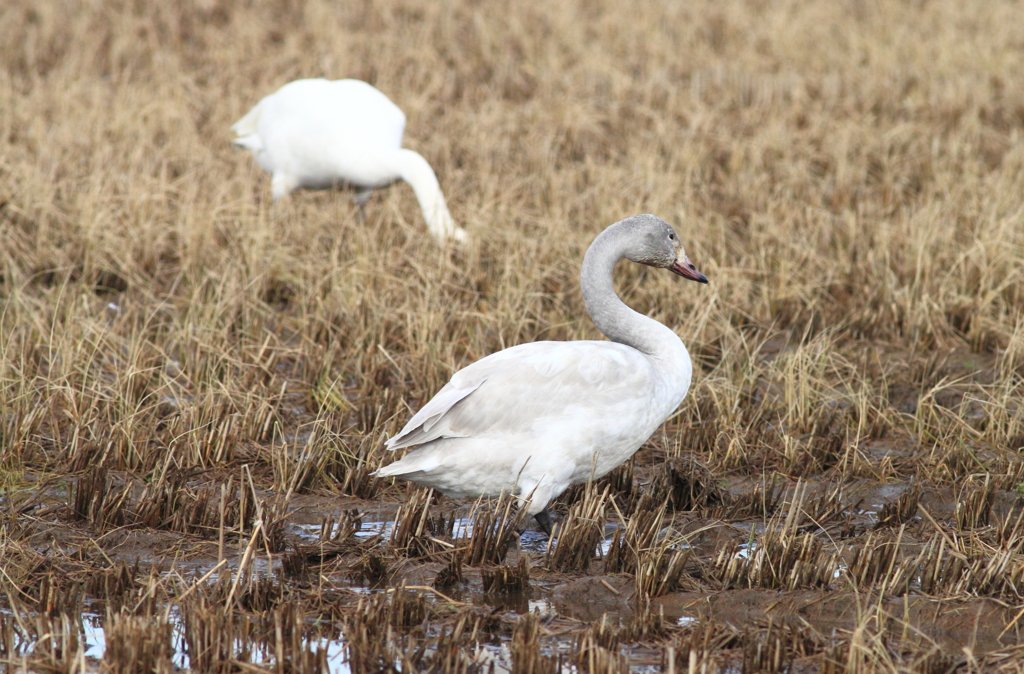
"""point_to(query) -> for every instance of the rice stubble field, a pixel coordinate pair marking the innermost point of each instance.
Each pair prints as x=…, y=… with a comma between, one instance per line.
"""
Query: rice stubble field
x=196, y=383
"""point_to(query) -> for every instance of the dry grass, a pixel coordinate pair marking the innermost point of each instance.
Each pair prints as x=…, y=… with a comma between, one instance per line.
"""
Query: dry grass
x=179, y=356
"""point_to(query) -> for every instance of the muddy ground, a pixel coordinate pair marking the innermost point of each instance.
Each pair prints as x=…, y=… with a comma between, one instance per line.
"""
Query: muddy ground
x=661, y=566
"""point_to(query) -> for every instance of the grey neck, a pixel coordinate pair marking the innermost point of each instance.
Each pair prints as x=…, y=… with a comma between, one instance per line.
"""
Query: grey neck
x=613, y=318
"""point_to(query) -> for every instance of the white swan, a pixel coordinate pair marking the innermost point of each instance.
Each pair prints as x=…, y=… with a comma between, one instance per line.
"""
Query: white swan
x=317, y=134
x=540, y=417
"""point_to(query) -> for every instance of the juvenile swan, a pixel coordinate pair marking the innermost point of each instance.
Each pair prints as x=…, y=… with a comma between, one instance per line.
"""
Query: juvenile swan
x=317, y=134
x=540, y=417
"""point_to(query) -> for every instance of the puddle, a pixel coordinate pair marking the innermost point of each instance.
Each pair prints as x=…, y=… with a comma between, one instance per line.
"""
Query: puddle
x=533, y=541
x=542, y=607
x=537, y=541
x=310, y=533
x=93, y=637
x=841, y=568
x=94, y=640
x=744, y=550
x=530, y=540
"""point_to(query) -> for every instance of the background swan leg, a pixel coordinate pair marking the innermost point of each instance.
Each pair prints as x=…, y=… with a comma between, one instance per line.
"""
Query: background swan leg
x=360, y=199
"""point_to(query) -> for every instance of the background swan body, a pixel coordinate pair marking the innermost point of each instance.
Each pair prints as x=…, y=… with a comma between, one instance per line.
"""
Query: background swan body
x=540, y=417
x=318, y=133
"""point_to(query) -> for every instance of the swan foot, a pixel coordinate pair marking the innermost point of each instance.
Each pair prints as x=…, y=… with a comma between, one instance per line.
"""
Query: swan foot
x=544, y=520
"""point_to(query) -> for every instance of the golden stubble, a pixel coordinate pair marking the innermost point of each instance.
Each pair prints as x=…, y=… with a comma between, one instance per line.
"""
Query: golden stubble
x=848, y=176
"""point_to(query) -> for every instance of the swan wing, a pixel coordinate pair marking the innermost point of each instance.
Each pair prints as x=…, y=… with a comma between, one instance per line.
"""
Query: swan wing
x=315, y=133
x=347, y=112
x=514, y=389
x=420, y=428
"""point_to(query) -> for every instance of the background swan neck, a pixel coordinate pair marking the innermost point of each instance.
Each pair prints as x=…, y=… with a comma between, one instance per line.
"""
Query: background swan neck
x=613, y=318
x=414, y=169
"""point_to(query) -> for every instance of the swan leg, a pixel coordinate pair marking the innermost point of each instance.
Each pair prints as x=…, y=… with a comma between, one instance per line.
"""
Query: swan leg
x=518, y=540
x=544, y=520
x=360, y=199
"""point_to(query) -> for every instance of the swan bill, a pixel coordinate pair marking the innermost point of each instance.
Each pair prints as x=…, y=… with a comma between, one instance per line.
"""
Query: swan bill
x=686, y=269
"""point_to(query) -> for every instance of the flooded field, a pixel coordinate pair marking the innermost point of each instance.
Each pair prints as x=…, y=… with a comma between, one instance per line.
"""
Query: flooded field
x=650, y=569
x=196, y=383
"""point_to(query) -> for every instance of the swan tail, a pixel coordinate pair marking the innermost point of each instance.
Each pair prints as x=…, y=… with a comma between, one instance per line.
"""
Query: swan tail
x=409, y=468
x=252, y=143
x=246, y=129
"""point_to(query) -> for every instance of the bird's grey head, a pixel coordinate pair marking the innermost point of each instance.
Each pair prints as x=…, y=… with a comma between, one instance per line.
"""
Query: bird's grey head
x=656, y=244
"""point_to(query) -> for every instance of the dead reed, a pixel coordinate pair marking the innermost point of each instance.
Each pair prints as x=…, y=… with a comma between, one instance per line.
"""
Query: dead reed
x=58, y=644
x=974, y=505
x=779, y=558
x=337, y=536
x=686, y=484
x=630, y=543
x=901, y=510
x=416, y=533
x=660, y=569
x=596, y=649
x=527, y=656
x=576, y=537
x=494, y=530
x=137, y=644
x=506, y=579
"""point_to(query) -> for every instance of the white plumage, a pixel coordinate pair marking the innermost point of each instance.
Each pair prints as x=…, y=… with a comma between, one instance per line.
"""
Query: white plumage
x=318, y=133
x=539, y=417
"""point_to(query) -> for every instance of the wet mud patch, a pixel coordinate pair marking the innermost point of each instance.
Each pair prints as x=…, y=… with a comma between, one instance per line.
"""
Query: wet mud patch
x=975, y=623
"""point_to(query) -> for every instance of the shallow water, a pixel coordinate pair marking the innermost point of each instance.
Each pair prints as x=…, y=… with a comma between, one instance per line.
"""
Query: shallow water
x=530, y=540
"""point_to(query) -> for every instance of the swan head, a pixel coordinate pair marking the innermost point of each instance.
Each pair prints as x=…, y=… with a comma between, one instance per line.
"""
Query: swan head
x=656, y=244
